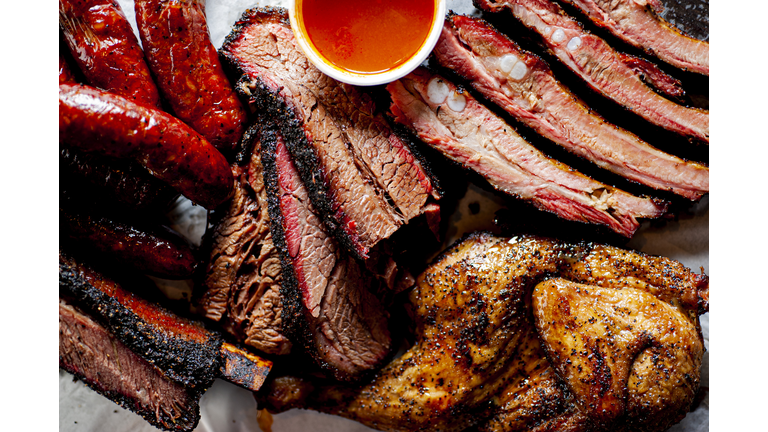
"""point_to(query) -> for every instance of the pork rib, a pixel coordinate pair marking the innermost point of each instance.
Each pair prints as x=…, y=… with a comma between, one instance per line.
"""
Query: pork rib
x=346, y=153
x=638, y=24
x=601, y=67
x=326, y=292
x=464, y=130
x=522, y=84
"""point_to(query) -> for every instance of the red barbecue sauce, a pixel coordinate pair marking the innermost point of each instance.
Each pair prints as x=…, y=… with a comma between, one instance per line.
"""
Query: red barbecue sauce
x=369, y=36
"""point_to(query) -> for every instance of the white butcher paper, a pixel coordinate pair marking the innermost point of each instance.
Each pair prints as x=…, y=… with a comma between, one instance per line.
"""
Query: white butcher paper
x=228, y=408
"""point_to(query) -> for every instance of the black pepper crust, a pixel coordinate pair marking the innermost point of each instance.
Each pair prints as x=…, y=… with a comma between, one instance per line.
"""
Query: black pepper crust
x=192, y=364
x=267, y=100
x=263, y=97
x=479, y=360
x=265, y=135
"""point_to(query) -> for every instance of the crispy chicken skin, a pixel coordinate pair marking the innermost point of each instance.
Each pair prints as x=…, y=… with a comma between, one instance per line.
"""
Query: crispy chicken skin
x=509, y=338
x=621, y=352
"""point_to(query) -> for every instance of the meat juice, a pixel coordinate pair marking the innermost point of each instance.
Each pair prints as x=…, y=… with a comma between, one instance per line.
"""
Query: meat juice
x=366, y=37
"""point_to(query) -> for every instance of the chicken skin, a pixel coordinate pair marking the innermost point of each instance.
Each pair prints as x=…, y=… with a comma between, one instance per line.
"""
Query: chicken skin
x=530, y=333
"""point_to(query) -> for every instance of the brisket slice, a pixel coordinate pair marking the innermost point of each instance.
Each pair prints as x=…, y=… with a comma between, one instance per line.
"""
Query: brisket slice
x=364, y=179
x=453, y=122
x=637, y=23
x=480, y=54
x=333, y=313
x=92, y=354
x=183, y=350
x=601, y=67
x=241, y=286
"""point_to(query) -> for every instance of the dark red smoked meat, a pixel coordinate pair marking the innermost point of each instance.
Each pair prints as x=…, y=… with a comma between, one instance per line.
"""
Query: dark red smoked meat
x=93, y=120
x=106, y=49
x=158, y=251
x=180, y=53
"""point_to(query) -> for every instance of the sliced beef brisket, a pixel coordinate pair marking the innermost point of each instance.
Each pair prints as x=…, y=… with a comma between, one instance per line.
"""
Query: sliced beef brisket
x=327, y=293
x=182, y=349
x=523, y=85
x=139, y=354
x=364, y=180
x=92, y=354
x=241, y=287
x=457, y=125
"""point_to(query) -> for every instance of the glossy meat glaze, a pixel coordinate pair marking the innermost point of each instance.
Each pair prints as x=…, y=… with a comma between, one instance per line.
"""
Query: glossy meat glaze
x=179, y=51
x=107, y=51
x=93, y=120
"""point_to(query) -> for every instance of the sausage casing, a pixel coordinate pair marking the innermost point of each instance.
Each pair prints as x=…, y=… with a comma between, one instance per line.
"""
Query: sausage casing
x=158, y=251
x=93, y=120
x=179, y=51
x=123, y=184
x=106, y=50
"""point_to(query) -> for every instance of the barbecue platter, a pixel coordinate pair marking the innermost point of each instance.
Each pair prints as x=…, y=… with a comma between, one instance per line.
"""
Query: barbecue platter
x=454, y=250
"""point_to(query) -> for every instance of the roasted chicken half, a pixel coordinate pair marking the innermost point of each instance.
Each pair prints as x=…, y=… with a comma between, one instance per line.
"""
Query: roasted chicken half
x=532, y=334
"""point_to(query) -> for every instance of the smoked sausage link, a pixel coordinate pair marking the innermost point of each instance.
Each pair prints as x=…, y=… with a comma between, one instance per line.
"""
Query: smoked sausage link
x=157, y=251
x=93, y=120
x=106, y=50
x=179, y=51
x=65, y=73
x=90, y=178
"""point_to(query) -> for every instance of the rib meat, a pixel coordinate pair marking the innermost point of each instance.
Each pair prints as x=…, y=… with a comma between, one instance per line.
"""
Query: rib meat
x=457, y=125
x=637, y=23
x=522, y=84
x=241, y=287
x=326, y=292
x=348, y=156
x=603, y=69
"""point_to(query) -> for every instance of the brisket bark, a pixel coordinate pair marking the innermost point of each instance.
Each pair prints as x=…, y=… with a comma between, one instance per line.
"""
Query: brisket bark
x=522, y=84
x=601, y=67
x=638, y=23
x=183, y=350
x=140, y=355
x=327, y=293
x=92, y=354
x=365, y=181
x=461, y=128
x=241, y=288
